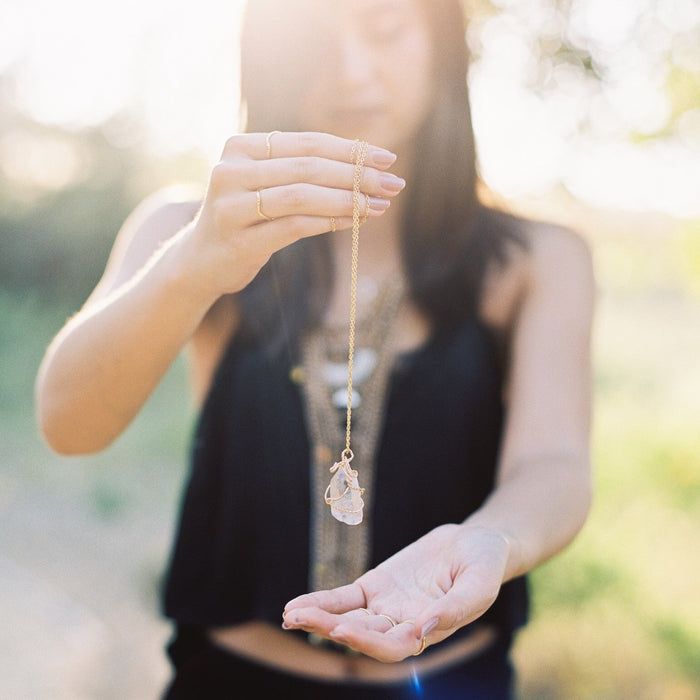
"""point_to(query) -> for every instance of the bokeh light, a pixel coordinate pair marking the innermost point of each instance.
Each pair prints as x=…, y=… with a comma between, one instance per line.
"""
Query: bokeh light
x=543, y=116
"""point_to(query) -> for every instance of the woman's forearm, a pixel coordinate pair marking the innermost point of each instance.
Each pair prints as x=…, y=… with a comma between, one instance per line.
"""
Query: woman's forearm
x=539, y=508
x=108, y=359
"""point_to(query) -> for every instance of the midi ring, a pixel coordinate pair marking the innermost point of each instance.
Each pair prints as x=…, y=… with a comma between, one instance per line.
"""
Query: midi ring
x=261, y=213
x=423, y=644
x=333, y=231
x=268, y=144
x=391, y=620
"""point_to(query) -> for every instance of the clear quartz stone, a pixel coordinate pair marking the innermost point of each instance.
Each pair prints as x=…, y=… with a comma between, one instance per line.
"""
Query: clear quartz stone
x=345, y=495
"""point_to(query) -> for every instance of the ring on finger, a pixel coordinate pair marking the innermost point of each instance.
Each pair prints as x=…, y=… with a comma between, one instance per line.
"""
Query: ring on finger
x=391, y=620
x=261, y=213
x=423, y=644
x=333, y=231
x=268, y=144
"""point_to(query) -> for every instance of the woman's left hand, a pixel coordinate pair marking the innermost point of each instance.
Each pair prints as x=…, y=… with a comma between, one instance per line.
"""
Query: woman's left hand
x=429, y=589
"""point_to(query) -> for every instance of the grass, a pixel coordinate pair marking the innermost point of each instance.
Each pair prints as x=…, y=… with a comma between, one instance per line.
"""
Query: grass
x=617, y=614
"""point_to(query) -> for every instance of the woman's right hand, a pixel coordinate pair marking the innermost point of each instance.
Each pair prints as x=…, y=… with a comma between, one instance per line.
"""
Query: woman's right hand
x=107, y=360
x=269, y=190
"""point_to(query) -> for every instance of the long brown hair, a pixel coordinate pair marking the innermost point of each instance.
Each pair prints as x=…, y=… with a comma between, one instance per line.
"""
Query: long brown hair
x=448, y=237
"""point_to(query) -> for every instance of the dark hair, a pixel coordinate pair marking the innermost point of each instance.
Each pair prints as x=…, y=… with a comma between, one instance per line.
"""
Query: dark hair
x=448, y=236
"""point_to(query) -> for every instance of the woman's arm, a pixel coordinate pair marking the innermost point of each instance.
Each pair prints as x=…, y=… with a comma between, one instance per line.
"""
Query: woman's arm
x=544, y=483
x=109, y=357
x=453, y=574
x=107, y=360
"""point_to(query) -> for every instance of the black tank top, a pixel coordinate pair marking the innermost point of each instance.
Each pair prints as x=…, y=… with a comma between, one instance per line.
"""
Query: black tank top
x=242, y=547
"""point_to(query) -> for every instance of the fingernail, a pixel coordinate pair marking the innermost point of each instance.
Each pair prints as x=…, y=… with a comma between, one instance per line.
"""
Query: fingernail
x=338, y=637
x=382, y=158
x=390, y=183
x=285, y=626
x=429, y=626
x=378, y=204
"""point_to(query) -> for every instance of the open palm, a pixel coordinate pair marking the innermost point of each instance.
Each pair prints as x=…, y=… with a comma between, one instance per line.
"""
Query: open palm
x=431, y=588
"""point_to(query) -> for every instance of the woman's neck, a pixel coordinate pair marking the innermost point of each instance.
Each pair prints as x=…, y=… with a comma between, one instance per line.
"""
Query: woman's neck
x=379, y=248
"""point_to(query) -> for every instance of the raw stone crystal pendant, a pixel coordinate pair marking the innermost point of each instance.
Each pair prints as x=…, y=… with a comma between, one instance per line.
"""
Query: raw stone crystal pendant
x=344, y=494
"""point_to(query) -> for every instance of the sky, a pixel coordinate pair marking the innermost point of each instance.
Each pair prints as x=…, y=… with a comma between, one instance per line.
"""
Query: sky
x=174, y=63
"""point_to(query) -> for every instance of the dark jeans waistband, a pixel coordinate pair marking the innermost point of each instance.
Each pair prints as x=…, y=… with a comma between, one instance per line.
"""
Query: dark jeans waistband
x=205, y=671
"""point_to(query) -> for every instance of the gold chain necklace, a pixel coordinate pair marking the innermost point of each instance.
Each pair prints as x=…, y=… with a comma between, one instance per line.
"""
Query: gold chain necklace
x=344, y=494
x=339, y=554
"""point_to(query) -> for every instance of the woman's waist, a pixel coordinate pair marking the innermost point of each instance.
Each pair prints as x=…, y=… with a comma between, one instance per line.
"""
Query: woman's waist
x=265, y=644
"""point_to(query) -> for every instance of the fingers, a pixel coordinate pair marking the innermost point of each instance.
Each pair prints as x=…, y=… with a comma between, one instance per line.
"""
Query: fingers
x=310, y=174
x=309, y=200
x=289, y=144
x=388, y=645
x=377, y=635
x=315, y=170
x=469, y=598
x=314, y=619
x=239, y=173
x=338, y=600
x=270, y=190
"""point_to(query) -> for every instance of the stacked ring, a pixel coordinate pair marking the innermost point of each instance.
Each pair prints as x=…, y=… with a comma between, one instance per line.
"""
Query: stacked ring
x=268, y=144
x=391, y=620
x=423, y=644
x=261, y=213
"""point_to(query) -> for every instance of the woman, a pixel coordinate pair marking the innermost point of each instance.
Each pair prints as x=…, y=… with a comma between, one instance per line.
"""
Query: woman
x=471, y=420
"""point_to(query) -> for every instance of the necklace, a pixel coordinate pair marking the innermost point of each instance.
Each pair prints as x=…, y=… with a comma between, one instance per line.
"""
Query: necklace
x=344, y=494
x=338, y=553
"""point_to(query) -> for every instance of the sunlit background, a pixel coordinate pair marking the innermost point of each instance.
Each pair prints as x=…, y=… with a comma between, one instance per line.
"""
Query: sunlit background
x=611, y=113
x=586, y=112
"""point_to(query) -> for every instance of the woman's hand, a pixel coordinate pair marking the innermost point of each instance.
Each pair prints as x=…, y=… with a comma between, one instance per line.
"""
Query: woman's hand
x=269, y=190
x=429, y=589
x=266, y=192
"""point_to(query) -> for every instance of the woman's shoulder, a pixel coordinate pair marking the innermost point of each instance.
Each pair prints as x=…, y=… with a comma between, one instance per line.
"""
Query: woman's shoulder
x=556, y=253
x=549, y=263
x=155, y=219
x=161, y=214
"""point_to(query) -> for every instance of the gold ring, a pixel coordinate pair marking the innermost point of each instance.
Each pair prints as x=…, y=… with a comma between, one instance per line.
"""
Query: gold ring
x=365, y=611
x=268, y=144
x=261, y=213
x=423, y=644
x=333, y=231
x=391, y=620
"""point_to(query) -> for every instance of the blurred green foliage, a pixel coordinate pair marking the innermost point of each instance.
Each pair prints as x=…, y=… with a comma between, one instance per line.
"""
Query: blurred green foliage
x=56, y=241
x=64, y=196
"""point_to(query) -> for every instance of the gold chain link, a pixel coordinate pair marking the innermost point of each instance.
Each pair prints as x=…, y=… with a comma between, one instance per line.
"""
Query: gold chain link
x=358, y=155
